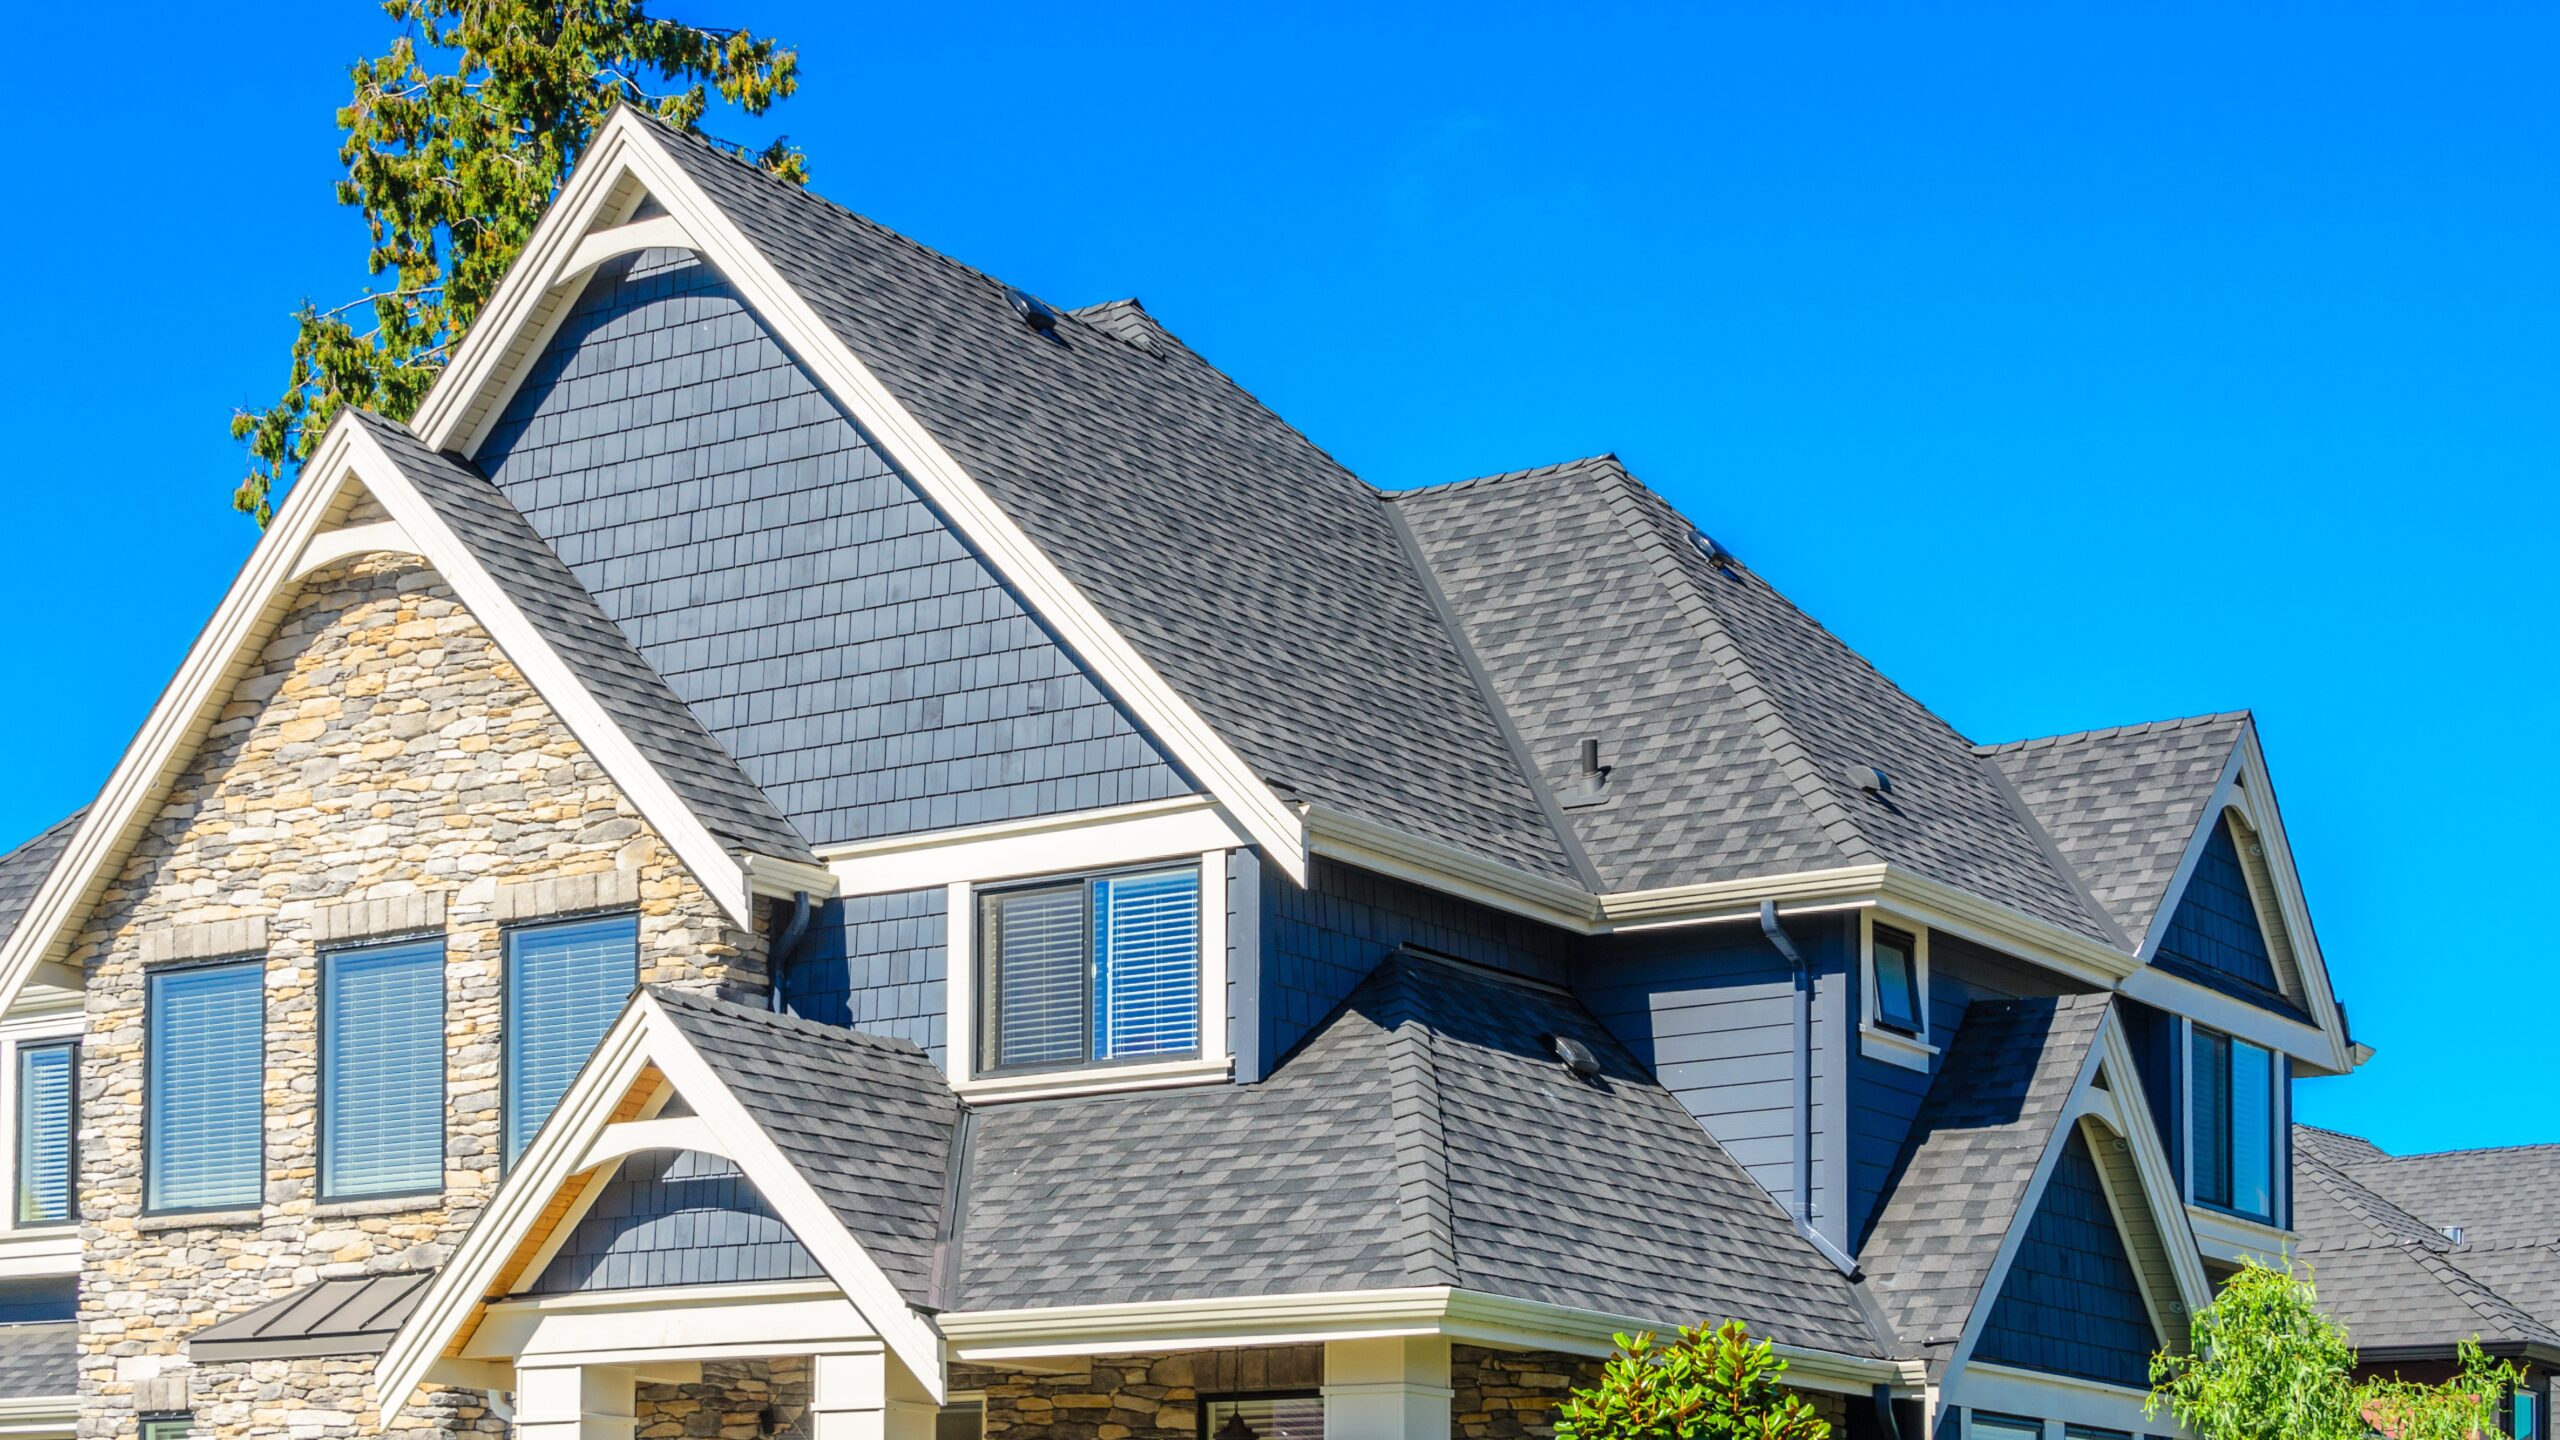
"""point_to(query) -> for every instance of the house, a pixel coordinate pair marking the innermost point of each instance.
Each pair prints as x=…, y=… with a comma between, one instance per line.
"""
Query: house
x=818, y=847
x=2415, y=1254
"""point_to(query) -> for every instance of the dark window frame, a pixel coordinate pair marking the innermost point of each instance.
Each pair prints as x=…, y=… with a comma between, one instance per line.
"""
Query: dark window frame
x=1211, y=1399
x=151, y=978
x=18, y=1143
x=1878, y=938
x=987, y=948
x=2225, y=1154
x=507, y=1010
x=320, y=1063
x=1973, y=1419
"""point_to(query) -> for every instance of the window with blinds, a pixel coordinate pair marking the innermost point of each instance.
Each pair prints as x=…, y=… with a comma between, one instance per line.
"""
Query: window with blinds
x=205, y=1036
x=1093, y=970
x=566, y=984
x=47, y=1122
x=382, y=1070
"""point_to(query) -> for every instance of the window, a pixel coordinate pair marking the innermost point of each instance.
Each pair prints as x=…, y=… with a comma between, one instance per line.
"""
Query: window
x=48, y=1090
x=2524, y=1415
x=2092, y=1432
x=565, y=985
x=961, y=1420
x=2005, y=1427
x=382, y=1070
x=1263, y=1417
x=2233, y=1123
x=168, y=1427
x=1897, y=975
x=206, y=1067
x=1095, y=970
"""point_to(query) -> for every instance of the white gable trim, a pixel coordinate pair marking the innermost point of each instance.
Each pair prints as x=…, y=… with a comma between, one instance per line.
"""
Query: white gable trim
x=294, y=546
x=626, y=159
x=2117, y=1106
x=583, y=1129
x=2246, y=789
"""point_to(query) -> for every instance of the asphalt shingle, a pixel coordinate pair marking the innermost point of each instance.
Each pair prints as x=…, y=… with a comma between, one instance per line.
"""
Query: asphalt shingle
x=23, y=869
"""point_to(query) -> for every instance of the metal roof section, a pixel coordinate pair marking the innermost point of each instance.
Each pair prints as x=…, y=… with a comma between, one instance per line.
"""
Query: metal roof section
x=348, y=1315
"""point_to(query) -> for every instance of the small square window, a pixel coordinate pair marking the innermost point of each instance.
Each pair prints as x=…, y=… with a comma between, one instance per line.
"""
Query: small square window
x=961, y=1420
x=1298, y=1416
x=168, y=1427
x=1099, y=970
x=1896, y=957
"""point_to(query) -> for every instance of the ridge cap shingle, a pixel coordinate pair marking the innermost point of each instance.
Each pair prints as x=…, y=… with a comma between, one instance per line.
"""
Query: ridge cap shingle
x=2115, y=732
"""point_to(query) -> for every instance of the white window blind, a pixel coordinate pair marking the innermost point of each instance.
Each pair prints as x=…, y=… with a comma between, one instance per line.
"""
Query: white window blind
x=382, y=1070
x=46, y=1077
x=1100, y=969
x=565, y=986
x=1146, y=965
x=1039, y=954
x=207, y=1067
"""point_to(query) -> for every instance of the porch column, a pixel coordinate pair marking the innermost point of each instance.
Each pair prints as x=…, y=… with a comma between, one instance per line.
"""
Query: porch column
x=1396, y=1389
x=575, y=1402
x=865, y=1395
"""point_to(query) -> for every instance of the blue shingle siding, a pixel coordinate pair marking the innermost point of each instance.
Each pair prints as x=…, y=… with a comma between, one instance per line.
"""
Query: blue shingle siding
x=860, y=663
x=2215, y=927
x=2157, y=1048
x=1712, y=1012
x=2071, y=1304
x=875, y=963
x=1885, y=1098
x=675, y=1217
x=1320, y=942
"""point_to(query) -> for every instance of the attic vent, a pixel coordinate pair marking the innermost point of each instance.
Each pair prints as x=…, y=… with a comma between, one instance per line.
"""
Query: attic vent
x=1869, y=779
x=1034, y=314
x=1716, y=554
x=2453, y=1233
x=1577, y=1057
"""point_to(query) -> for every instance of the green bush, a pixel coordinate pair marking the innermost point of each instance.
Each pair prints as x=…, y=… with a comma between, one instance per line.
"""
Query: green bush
x=1706, y=1385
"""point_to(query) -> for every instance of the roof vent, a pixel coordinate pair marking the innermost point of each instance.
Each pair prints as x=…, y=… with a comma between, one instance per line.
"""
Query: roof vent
x=1716, y=554
x=1591, y=786
x=1869, y=779
x=2453, y=1233
x=1034, y=314
x=1577, y=1057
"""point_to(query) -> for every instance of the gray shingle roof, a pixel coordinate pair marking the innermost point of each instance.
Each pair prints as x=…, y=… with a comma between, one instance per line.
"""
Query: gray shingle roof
x=1425, y=1135
x=658, y=724
x=867, y=1120
x=1265, y=582
x=39, y=1361
x=1956, y=1191
x=1596, y=613
x=2123, y=804
x=2374, y=1231
x=346, y=1315
x=23, y=869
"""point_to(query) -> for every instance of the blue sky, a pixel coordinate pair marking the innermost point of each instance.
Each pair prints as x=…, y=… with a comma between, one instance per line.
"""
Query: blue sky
x=2080, y=365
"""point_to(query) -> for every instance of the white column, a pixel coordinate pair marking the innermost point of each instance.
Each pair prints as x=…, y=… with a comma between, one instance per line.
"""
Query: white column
x=1395, y=1389
x=865, y=1395
x=575, y=1402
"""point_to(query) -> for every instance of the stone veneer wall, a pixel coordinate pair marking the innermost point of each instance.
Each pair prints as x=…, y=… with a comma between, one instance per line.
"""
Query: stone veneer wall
x=381, y=748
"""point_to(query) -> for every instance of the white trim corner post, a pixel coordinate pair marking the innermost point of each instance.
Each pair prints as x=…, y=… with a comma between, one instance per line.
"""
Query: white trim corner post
x=864, y=1395
x=576, y=1402
x=1395, y=1388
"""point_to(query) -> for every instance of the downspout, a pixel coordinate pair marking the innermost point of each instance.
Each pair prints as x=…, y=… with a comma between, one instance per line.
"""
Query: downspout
x=786, y=948
x=1887, y=1423
x=1802, y=1207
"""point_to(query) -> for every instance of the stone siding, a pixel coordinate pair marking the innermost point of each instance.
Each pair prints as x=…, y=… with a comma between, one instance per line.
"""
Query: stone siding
x=380, y=759
x=1132, y=1397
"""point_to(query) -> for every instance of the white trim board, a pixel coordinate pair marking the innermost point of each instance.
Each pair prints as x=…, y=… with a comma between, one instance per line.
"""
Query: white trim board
x=581, y=1136
x=626, y=156
x=346, y=457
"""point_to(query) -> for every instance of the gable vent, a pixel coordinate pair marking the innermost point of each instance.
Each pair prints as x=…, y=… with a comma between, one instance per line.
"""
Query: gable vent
x=1034, y=314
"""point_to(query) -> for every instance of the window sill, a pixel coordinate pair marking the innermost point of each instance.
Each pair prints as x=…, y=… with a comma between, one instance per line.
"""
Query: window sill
x=379, y=1205
x=200, y=1219
x=1057, y=1084
x=1894, y=1048
x=2226, y=1238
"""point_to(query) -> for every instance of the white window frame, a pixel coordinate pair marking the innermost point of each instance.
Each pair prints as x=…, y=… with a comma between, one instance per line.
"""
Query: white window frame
x=963, y=1003
x=1911, y=1052
x=14, y=1034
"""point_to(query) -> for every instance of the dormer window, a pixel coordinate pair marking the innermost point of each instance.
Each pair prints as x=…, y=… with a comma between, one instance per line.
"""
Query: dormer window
x=1102, y=969
x=1894, y=1023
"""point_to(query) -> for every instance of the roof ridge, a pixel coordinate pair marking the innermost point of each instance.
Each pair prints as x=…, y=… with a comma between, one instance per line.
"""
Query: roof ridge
x=793, y=1024
x=1426, y=1239
x=1787, y=750
x=1605, y=458
x=2115, y=732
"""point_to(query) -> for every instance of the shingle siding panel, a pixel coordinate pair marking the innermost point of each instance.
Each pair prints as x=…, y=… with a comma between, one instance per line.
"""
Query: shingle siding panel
x=875, y=963
x=865, y=668
x=2071, y=1304
x=675, y=1218
x=2215, y=927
